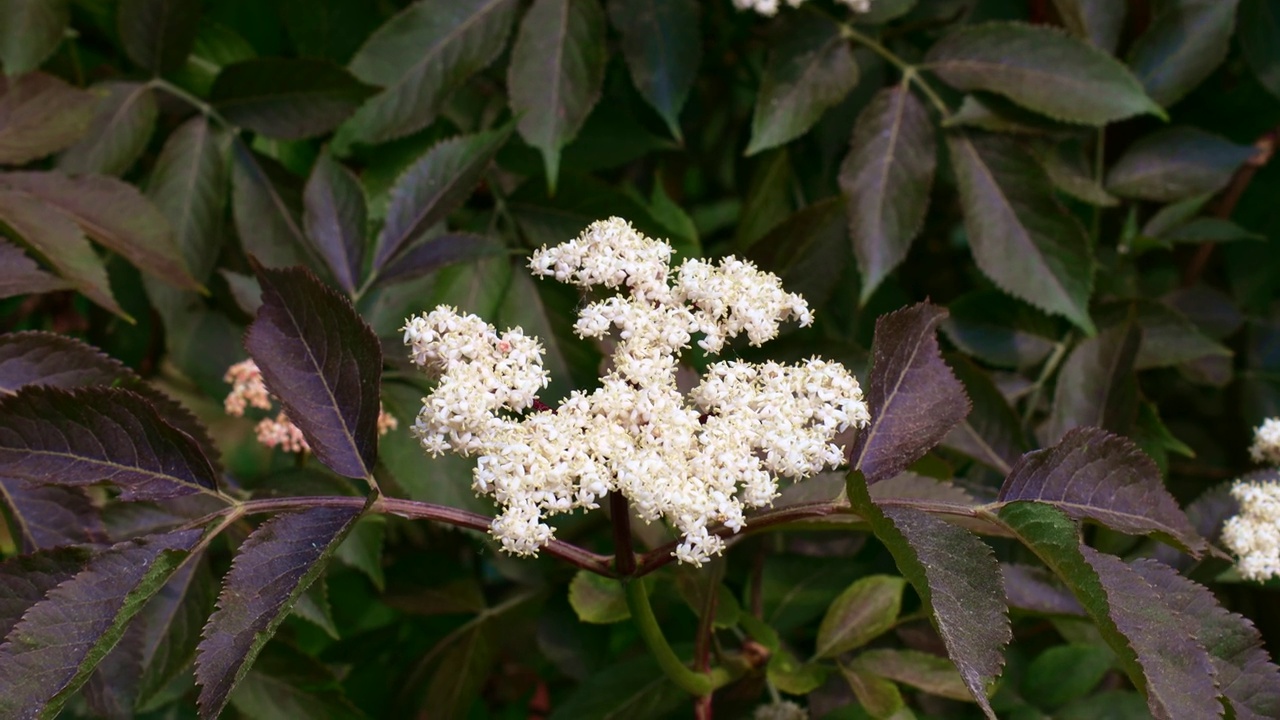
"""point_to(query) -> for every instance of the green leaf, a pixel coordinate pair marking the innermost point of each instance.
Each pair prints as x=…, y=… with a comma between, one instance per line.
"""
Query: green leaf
x=879, y=697
x=115, y=215
x=914, y=398
x=770, y=198
x=57, y=240
x=59, y=641
x=1153, y=644
x=328, y=29
x=39, y=115
x=158, y=34
x=287, y=98
x=556, y=72
x=793, y=677
x=1096, y=385
x=421, y=56
x=810, y=69
x=930, y=673
x=1071, y=172
x=662, y=45
x=1168, y=337
x=1245, y=674
x=362, y=550
x=273, y=567
x=266, y=204
x=957, y=577
x=1040, y=68
x=598, y=599
x=990, y=433
x=287, y=683
x=989, y=326
x=1020, y=236
x=864, y=611
x=189, y=186
x=808, y=251
x=31, y=32
x=117, y=134
x=1175, y=164
x=1209, y=230
x=434, y=186
x=634, y=689
x=335, y=216
x=1098, y=21
x=1259, y=35
x=1183, y=45
x=886, y=177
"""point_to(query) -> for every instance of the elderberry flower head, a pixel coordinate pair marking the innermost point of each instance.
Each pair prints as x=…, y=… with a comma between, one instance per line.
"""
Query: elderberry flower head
x=248, y=389
x=1253, y=535
x=694, y=461
x=770, y=7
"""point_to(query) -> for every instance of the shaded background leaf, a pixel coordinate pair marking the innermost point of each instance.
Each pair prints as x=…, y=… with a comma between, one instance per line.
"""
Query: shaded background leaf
x=662, y=44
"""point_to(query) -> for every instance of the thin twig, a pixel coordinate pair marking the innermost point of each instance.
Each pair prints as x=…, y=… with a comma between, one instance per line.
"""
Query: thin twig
x=1226, y=204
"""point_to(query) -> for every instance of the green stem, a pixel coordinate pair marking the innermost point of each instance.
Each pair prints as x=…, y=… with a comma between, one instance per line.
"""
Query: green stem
x=1050, y=366
x=910, y=73
x=695, y=683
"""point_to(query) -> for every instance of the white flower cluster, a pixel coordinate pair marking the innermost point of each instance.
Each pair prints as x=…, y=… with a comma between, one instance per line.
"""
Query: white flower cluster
x=780, y=710
x=1266, y=442
x=1254, y=534
x=248, y=389
x=695, y=462
x=770, y=7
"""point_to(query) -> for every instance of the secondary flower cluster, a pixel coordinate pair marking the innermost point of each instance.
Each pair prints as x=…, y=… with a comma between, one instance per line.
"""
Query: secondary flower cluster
x=770, y=7
x=694, y=461
x=1254, y=534
x=249, y=390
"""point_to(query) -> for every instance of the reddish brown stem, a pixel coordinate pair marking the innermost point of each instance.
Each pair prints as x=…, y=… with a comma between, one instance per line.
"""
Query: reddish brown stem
x=1226, y=203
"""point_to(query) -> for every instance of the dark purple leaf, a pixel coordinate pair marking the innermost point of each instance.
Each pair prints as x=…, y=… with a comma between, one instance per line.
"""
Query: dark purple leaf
x=1154, y=645
x=914, y=398
x=20, y=275
x=112, y=688
x=56, y=239
x=1207, y=513
x=434, y=186
x=957, y=577
x=324, y=364
x=56, y=645
x=1092, y=474
x=114, y=214
x=31, y=32
x=26, y=579
x=1021, y=236
x=272, y=569
x=172, y=622
x=158, y=34
x=118, y=133
x=287, y=98
x=437, y=252
x=662, y=46
x=95, y=434
x=40, y=114
x=1033, y=589
x=886, y=176
x=45, y=358
x=1097, y=386
x=1245, y=674
x=266, y=203
x=335, y=217
x=990, y=433
x=51, y=515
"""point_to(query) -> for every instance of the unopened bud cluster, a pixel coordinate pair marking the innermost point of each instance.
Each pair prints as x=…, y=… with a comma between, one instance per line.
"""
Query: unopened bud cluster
x=695, y=461
x=249, y=390
x=1254, y=534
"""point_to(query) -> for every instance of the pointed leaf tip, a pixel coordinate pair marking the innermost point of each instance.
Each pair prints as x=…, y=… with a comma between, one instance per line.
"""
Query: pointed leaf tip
x=914, y=397
x=324, y=364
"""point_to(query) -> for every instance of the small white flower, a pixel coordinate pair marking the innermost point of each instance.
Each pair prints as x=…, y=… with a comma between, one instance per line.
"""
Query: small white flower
x=780, y=710
x=1254, y=534
x=694, y=461
x=769, y=8
x=1266, y=442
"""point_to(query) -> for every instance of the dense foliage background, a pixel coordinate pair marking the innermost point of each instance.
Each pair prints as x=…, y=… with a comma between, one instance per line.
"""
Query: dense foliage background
x=1084, y=185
